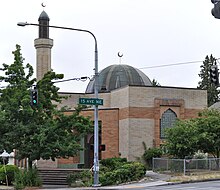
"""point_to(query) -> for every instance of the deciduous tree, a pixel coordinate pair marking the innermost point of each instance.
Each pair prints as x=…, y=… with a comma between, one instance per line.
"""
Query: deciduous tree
x=182, y=139
x=40, y=131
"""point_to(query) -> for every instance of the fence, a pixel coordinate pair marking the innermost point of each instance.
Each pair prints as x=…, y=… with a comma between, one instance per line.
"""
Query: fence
x=186, y=166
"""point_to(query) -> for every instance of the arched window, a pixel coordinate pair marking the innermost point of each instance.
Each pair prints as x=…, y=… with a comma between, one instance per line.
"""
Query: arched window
x=167, y=120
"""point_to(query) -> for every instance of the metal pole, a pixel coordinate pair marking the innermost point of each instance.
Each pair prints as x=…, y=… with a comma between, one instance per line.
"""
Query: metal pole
x=96, y=129
x=184, y=167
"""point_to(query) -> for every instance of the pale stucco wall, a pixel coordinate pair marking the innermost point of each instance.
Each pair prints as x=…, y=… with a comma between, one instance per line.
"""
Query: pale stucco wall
x=144, y=96
x=124, y=138
x=141, y=130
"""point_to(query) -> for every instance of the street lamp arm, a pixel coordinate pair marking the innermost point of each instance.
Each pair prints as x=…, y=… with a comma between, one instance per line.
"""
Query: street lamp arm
x=77, y=79
x=76, y=29
x=60, y=27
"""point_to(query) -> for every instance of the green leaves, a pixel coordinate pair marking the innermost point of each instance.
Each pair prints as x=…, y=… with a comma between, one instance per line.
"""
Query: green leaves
x=43, y=131
x=189, y=136
x=181, y=139
x=205, y=82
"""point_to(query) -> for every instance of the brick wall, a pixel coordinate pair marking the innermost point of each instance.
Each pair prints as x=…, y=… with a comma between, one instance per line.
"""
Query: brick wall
x=131, y=115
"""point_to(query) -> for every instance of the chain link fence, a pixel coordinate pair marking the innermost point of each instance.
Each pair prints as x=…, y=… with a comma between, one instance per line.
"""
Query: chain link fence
x=186, y=166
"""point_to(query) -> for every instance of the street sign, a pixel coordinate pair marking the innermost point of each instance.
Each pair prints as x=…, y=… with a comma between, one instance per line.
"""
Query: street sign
x=91, y=101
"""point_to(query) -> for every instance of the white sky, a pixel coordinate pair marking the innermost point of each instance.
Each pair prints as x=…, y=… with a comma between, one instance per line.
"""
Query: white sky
x=147, y=32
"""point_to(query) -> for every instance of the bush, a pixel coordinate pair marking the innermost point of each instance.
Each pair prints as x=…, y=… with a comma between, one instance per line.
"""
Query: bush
x=151, y=153
x=113, y=163
x=123, y=171
x=27, y=178
x=83, y=178
x=112, y=171
x=10, y=171
x=19, y=181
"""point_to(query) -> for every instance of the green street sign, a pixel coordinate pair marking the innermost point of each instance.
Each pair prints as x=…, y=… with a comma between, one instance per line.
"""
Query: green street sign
x=91, y=101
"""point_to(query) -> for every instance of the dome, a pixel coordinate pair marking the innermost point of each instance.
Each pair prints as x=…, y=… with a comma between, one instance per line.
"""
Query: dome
x=116, y=76
x=43, y=16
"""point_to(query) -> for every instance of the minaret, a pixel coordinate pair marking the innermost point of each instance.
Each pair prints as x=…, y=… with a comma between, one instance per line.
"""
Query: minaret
x=43, y=46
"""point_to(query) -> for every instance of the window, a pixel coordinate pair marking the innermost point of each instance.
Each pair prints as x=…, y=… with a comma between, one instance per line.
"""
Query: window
x=167, y=120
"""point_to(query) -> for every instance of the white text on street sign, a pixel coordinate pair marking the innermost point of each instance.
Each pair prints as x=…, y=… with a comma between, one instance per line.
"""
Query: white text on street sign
x=91, y=101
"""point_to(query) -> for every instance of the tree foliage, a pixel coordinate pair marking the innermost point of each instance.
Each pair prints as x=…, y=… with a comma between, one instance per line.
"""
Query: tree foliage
x=199, y=134
x=181, y=139
x=155, y=83
x=205, y=83
x=40, y=131
x=208, y=128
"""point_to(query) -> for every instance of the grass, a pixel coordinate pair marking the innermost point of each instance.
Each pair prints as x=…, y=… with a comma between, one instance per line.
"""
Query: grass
x=195, y=177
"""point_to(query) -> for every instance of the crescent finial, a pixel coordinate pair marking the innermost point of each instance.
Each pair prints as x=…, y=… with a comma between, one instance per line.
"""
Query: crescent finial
x=43, y=5
x=120, y=55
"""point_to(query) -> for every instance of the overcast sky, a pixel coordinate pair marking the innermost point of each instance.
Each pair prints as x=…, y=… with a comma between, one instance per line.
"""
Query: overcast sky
x=148, y=32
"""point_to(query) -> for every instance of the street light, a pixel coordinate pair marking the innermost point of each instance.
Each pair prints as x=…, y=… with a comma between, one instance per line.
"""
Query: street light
x=96, y=152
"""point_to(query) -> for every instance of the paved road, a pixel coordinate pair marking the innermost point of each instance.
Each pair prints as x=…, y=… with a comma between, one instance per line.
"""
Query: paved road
x=211, y=185
x=160, y=185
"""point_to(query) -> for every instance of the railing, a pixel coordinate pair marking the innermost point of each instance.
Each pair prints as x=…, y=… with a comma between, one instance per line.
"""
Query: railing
x=186, y=166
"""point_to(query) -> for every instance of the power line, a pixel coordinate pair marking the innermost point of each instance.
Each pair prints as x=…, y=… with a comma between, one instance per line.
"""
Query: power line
x=174, y=64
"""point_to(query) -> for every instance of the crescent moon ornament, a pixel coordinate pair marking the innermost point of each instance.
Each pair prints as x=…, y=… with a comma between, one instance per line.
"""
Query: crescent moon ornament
x=120, y=54
x=43, y=5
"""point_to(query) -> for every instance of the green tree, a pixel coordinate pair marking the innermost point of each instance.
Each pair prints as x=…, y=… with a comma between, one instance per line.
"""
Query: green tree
x=40, y=131
x=182, y=139
x=205, y=83
x=190, y=136
x=155, y=83
x=208, y=127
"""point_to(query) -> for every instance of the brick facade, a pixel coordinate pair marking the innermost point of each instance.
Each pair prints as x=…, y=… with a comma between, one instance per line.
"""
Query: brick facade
x=131, y=116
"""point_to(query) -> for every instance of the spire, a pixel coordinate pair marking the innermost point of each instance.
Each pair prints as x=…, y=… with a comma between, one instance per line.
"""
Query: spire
x=43, y=46
x=44, y=30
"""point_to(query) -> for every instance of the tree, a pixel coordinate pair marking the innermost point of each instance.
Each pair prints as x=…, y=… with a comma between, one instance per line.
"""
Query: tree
x=205, y=83
x=155, y=83
x=40, y=131
x=182, y=139
x=208, y=127
x=199, y=134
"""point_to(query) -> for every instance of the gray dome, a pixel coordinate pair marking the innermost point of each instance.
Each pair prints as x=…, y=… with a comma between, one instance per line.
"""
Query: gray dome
x=43, y=16
x=116, y=76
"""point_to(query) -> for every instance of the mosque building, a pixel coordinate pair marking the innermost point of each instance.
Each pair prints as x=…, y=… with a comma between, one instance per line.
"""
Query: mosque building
x=134, y=111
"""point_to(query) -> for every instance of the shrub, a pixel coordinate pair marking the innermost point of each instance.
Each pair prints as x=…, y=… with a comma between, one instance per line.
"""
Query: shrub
x=113, y=163
x=112, y=171
x=151, y=153
x=19, y=181
x=123, y=171
x=83, y=178
x=27, y=178
x=8, y=170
